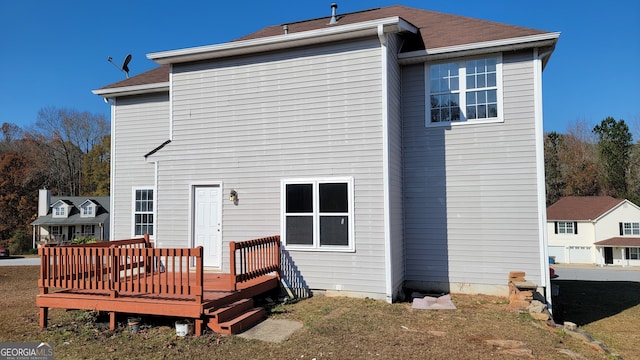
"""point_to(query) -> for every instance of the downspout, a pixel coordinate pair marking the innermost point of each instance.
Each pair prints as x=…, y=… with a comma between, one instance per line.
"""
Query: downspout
x=112, y=185
x=542, y=208
x=385, y=167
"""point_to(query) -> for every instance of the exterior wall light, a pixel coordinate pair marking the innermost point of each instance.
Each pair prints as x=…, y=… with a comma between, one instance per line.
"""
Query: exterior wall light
x=233, y=196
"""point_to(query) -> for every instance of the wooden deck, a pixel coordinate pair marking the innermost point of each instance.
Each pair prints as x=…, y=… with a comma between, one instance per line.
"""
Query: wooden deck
x=130, y=276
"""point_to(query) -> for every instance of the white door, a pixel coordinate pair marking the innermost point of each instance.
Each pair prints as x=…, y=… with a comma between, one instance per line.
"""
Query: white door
x=207, y=211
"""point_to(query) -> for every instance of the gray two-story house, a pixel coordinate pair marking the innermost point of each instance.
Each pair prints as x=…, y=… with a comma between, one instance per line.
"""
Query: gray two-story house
x=388, y=147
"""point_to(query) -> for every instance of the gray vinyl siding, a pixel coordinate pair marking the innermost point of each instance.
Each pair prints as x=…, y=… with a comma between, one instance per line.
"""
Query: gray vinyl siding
x=470, y=190
x=248, y=123
x=140, y=124
x=395, y=163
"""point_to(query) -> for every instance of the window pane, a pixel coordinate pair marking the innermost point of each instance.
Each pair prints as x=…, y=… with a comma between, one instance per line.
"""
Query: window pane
x=434, y=85
x=471, y=98
x=333, y=198
x=491, y=79
x=493, y=110
x=299, y=230
x=299, y=198
x=492, y=96
x=481, y=81
x=471, y=112
x=482, y=97
x=482, y=112
x=491, y=64
x=471, y=82
x=334, y=230
x=455, y=113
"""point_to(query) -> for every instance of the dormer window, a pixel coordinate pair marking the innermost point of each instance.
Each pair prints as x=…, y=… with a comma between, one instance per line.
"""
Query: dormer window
x=60, y=209
x=88, y=209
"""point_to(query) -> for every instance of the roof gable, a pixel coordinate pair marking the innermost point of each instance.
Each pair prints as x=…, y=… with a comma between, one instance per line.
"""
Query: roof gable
x=582, y=207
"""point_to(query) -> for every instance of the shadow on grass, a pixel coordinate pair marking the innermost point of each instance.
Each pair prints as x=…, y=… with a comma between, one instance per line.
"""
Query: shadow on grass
x=583, y=302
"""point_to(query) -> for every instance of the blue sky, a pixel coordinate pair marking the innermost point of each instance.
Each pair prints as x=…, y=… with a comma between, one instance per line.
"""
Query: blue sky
x=53, y=53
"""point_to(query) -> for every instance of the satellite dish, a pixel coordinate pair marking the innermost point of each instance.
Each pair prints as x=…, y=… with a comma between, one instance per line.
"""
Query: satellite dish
x=125, y=64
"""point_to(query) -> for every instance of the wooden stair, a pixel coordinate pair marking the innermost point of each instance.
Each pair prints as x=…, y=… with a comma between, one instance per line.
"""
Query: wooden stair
x=235, y=317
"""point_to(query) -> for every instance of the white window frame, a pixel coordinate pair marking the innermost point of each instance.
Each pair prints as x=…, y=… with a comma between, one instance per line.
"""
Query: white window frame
x=55, y=230
x=134, y=212
x=315, y=182
x=87, y=210
x=632, y=227
x=634, y=253
x=59, y=211
x=462, y=91
x=84, y=232
x=563, y=227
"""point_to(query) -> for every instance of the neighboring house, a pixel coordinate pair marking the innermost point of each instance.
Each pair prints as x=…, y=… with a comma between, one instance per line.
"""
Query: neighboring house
x=594, y=230
x=61, y=219
x=390, y=147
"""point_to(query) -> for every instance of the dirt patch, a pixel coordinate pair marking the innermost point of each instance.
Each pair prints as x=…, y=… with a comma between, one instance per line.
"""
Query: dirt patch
x=334, y=328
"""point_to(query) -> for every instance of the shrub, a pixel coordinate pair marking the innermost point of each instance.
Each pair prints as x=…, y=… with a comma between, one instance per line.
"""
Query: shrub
x=21, y=243
x=84, y=240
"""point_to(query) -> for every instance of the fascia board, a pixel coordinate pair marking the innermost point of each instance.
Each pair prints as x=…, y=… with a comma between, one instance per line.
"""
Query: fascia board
x=523, y=42
x=132, y=90
x=350, y=31
x=625, y=201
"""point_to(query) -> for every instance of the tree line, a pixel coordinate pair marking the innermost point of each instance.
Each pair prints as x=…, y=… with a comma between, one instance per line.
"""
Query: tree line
x=602, y=160
x=67, y=151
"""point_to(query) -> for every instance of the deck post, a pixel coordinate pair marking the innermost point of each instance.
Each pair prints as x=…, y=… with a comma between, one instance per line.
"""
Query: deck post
x=232, y=265
x=44, y=314
x=278, y=255
x=199, y=274
x=199, y=323
x=112, y=320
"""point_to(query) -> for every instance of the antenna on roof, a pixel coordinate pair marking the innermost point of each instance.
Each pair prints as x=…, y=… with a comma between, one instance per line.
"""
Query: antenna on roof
x=125, y=64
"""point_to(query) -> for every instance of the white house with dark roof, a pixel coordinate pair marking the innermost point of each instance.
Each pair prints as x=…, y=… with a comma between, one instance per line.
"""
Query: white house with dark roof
x=61, y=219
x=594, y=230
x=391, y=147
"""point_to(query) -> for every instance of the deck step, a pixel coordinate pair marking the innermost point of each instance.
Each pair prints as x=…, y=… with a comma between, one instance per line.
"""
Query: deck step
x=230, y=311
x=243, y=322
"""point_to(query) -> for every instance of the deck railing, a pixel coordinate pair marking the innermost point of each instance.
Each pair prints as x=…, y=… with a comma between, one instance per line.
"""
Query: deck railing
x=122, y=267
x=253, y=258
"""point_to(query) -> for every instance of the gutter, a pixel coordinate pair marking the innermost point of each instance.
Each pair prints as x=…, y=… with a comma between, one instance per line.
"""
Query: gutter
x=284, y=41
x=132, y=90
x=480, y=48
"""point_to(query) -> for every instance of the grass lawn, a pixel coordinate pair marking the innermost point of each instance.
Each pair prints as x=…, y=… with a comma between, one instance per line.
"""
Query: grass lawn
x=334, y=328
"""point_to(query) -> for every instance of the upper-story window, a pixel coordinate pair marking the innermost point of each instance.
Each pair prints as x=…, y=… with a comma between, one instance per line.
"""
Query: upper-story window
x=87, y=209
x=629, y=228
x=566, y=227
x=465, y=91
x=60, y=209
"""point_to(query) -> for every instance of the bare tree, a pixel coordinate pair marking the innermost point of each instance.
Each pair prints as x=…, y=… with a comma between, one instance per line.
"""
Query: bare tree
x=68, y=135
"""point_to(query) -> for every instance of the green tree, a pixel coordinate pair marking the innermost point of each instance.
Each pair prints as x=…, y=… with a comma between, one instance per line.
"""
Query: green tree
x=555, y=183
x=614, y=149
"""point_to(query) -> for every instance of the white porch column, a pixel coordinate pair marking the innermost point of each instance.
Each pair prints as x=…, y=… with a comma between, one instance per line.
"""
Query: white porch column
x=601, y=259
x=624, y=261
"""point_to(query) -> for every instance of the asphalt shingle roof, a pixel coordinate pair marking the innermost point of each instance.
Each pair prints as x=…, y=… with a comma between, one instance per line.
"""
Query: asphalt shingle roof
x=436, y=30
x=581, y=207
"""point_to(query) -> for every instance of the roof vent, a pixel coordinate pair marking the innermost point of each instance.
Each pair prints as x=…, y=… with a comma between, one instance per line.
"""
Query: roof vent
x=333, y=20
x=285, y=28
